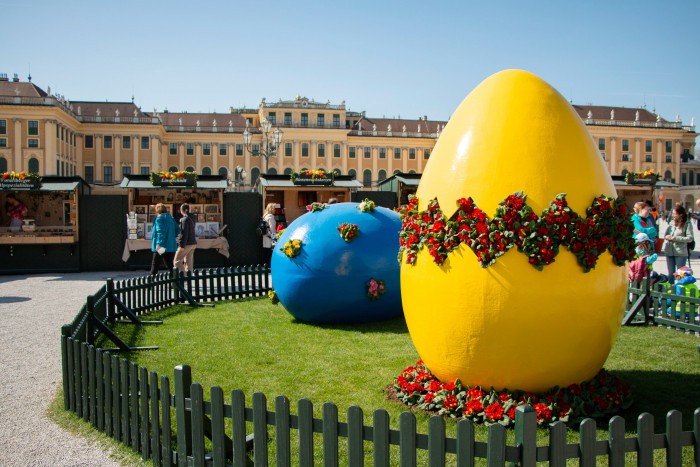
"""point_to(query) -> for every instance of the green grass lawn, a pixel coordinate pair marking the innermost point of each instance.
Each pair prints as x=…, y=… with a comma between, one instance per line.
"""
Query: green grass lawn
x=255, y=346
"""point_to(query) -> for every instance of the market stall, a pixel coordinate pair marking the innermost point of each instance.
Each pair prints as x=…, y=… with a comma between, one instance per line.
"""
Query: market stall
x=204, y=194
x=292, y=193
x=402, y=184
x=635, y=187
x=39, y=223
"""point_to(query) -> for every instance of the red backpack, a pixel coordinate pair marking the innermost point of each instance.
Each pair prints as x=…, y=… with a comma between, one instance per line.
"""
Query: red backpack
x=638, y=270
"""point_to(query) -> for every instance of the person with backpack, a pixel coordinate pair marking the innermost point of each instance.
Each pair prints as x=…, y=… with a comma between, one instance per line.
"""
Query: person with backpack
x=679, y=234
x=642, y=265
x=269, y=237
x=186, y=241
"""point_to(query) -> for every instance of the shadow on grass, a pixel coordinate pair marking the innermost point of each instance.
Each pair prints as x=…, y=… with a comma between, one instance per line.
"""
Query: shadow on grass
x=391, y=326
x=658, y=392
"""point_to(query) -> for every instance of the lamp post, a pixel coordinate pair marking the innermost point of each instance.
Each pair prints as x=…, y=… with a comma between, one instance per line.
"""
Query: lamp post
x=271, y=140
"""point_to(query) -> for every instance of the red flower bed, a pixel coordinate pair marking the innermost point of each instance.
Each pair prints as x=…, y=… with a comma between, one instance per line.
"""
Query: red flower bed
x=601, y=397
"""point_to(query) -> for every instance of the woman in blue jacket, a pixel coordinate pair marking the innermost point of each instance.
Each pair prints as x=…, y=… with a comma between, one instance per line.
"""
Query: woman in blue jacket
x=644, y=222
x=163, y=244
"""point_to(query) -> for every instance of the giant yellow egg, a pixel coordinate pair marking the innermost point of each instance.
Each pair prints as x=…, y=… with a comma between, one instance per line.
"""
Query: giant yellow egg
x=510, y=325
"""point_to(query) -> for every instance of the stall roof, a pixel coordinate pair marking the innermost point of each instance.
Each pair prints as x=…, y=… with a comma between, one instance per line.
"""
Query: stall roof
x=619, y=181
x=405, y=178
x=56, y=183
x=283, y=181
x=144, y=182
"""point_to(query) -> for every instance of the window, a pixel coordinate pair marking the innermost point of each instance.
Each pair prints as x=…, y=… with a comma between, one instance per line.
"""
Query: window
x=33, y=166
x=368, y=152
x=426, y=154
x=601, y=144
x=412, y=153
x=625, y=145
x=256, y=149
x=3, y=144
x=89, y=142
x=107, y=142
x=669, y=158
x=206, y=171
x=254, y=174
x=684, y=179
x=272, y=171
x=648, y=158
x=272, y=118
x=190, y=149
x=351, y=152
x=188, y=169
x=288, y=149
x=145, y=170
x=397, y=153
x=669, y=146
x=107, y=174
x=33, y=127
x=382, y=175
x=321, y=150
x=206, y=149
x=58, y=168
x=33, y=142
x=336, y=120
x=173, y=149
x=223, y=171
x=304, y=119
x=63, y=168
x=352, y=173
x=625, y=158
x=367, y=178
x=3, y=127
x=304, y=149
x=288, y=171
x=126, y=170
x=239, y=149
x=172, y=169
x=320, y=120
x=288, y=118
x=647, y=145
x=336, y=150
x=126, y=142
x=89, y=175
x=3, y=164
x=222, y=149
x=145, y=142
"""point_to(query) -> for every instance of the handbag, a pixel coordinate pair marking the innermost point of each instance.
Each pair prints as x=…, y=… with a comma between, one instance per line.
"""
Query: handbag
x=658, y=244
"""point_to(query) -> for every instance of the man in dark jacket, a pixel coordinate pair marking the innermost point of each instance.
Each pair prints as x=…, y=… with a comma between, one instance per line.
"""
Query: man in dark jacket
x=187, y=242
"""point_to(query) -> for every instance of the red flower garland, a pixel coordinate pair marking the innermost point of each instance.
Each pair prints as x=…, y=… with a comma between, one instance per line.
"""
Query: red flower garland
x=600, y=397
x=607, y=226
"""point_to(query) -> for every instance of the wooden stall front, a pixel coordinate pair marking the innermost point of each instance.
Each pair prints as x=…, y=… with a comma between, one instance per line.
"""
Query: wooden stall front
x=205, y=197
x=48, y=239
x=642, y=190
x=402, y=184
x=293, y=196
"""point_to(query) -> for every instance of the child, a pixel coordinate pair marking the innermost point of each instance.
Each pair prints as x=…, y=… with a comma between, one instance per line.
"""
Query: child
x=641, y=267
x=685, y=286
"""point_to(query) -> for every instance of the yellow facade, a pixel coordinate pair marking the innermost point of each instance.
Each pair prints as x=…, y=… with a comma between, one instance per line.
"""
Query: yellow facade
x=101, y=141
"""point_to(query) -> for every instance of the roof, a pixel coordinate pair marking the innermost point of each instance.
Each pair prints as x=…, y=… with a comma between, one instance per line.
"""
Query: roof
x=397, y=125
x=107, y=109
x=21, y=89
x=144, y=181
x=601, y=112
x=282, y=181
x=56, y=183
x=405, y=178
x=619, y=181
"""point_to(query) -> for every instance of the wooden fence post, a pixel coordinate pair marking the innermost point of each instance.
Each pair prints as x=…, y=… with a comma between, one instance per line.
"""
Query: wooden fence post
x=110, y=300
x=183, y=418
x=65, y=331
x=526, y=434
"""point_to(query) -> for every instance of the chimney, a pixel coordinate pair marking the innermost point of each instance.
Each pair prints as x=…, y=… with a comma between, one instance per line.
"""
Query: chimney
x=3, y=77
x=15, y=78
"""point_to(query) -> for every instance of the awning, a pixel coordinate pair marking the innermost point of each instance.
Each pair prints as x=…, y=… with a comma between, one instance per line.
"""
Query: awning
x=203, y=182
x=55, y=183
x=658, y=184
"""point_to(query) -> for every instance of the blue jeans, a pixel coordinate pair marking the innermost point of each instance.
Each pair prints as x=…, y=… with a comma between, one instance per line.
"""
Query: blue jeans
x=673, y=263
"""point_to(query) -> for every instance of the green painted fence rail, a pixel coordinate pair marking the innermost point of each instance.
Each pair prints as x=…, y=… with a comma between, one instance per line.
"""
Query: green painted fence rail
x=190, y=427
x=655, y=305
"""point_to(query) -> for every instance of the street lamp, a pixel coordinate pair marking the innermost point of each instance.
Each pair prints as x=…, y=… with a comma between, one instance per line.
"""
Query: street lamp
x=271, y=140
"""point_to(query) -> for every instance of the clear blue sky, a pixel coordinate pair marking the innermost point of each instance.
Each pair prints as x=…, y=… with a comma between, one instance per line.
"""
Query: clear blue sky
x=402, y=58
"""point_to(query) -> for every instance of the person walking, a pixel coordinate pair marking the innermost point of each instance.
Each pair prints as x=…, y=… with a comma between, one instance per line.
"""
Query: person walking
x=678, y=235
x=269, y=239
x=163, y=244
x=187, y=242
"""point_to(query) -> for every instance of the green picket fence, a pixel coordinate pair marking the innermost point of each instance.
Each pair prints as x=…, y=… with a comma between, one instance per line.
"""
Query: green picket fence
x=187, y=427
x=658, y=305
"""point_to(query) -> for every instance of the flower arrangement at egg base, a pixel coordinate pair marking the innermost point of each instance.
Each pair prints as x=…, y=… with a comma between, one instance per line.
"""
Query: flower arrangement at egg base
x=272, y=295
x=375, y=289
x=601, y=397
x=292, y=248
x=607, y=226
x=348, y=231
x=315, y=207
x=367, y=205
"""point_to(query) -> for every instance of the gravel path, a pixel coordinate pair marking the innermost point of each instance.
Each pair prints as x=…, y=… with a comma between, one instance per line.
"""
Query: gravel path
x=32, y=310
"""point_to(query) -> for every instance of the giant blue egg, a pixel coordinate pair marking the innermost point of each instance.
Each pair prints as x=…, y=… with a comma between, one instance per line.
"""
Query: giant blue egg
x=328, y=281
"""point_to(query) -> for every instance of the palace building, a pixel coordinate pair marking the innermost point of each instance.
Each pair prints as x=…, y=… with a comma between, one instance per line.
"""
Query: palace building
x=104, y=141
